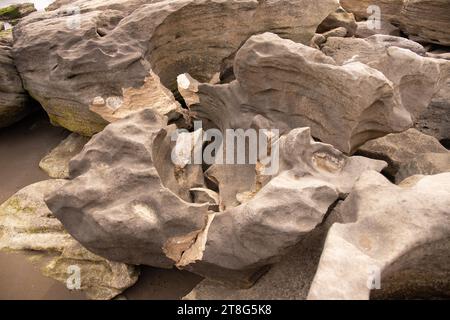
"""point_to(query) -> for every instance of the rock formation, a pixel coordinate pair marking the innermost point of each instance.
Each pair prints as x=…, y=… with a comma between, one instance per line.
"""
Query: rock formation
x=242, y=240
x=15, y=103
x=97, y=56
x=398, y=245
x=293, y=85
x=415, y=79
x=400, y=148
x=118, y=203
x=27, y=225
x=422, y=20
x=424, y=164
x=56, y=163
x=435, y=120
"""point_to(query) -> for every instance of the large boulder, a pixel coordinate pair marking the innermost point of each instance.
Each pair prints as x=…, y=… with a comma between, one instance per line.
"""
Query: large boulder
x=28, y=226
x=242, y=241
x=424, y=20
x=14, y=101
x=126, y=200
x=415, y=78
x=339, y=19
x=397, y=243
x=88, y=61
x=16, y=11
x=294, y=85
x=397, y=149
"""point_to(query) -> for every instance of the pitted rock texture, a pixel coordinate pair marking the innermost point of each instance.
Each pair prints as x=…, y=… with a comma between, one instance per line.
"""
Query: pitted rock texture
x=422, y=20
x=116, y=50
x=118, y=203
x=402, y=240
x=28, y=226
x=293, y=85
x=255, y=234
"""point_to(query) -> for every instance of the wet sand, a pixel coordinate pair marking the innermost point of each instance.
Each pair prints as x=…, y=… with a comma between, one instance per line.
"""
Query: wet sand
x=22, y=146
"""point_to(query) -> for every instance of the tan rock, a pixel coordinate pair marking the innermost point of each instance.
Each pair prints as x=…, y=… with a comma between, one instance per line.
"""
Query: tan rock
x=424, y=164
x=115, y=49
x=416, y=79
x=317, y=92
x=400, y=148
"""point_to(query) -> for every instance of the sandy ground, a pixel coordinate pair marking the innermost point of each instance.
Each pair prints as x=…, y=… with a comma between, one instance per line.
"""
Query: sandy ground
x=22, y=146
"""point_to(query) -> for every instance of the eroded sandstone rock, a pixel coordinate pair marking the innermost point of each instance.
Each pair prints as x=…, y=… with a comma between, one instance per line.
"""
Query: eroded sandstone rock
x=122, y=201
x=293, y=85
x=399, y=237
x=435, y=120
x=113, y=50
x=339, y=18
x=424, y=164
x=242, y=241
x=400, y=148
x=416, y=79
x=14, y=101
x=27, y=225
x=56, y=163
x=423, y=20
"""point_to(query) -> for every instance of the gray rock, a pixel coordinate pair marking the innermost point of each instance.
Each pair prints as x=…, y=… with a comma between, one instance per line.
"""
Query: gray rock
x=424, y=20
x=14, y=101
x=317, y=92
x=28, y=226
x=122, y=201
x=74, y=61
x=424, y=164
x=398, y=244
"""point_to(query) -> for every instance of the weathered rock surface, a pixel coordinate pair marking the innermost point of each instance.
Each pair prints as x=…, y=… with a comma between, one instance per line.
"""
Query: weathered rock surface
x=416, y=79
x=424, y=164
x=56, y=163
x=118, y=203
x=293, y=85
x=118, y=50
x=16, y=11
x=13, y=98
x=289, y=279
x=424, y=20
x=365, y=29
x=243, y=240
x=435, y=120
x=403, y=238
x=339, y=18
x=400, y=148
x=27, y=225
